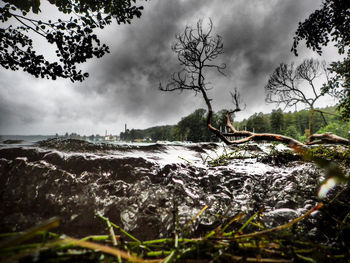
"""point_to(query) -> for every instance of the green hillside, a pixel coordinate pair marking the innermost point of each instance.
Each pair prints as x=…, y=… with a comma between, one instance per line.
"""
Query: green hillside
x=294, y=124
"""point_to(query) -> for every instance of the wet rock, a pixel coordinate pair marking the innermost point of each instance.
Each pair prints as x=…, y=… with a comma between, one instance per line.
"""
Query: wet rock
x=280, y=157
x=279, y=217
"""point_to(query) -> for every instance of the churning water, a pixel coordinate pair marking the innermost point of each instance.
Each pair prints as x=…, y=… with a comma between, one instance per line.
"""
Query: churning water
x=136, y=186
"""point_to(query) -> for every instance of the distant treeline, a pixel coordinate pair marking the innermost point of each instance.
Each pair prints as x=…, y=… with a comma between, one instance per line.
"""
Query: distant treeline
x=294, y=124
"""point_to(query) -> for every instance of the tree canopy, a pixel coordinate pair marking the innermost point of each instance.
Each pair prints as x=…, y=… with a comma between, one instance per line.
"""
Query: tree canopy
x=330, y=23
x=73, y=38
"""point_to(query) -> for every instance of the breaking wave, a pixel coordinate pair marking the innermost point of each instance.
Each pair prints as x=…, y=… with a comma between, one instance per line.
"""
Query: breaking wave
x=136, y=186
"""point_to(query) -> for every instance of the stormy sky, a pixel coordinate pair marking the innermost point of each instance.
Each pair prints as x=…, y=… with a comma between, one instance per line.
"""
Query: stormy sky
x=123, y=85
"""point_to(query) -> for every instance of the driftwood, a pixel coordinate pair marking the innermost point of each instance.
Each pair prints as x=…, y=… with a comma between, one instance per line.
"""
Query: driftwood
x=327, y=138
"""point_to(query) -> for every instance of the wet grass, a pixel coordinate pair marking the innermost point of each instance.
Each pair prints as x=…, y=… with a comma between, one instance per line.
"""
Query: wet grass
x=237, y=239
x=224, y=158
x=339, y=153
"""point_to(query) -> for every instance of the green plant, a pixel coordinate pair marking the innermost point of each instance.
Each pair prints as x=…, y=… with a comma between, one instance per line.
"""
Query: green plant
x=223, y=159
x=234, y=240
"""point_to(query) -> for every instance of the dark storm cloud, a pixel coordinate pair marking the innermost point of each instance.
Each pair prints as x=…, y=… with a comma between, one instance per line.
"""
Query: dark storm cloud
x=257, y=36
x=15, y=109
x=131, y=74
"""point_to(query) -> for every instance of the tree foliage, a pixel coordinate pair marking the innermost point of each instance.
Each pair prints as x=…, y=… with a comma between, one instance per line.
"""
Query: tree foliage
x=73, y=38
x=337, y=127
x=331, y=23
x=291, y=131
x=277, y=121
x=193, y=126
x=339, y=86
x=258, y=123
x=154, y=134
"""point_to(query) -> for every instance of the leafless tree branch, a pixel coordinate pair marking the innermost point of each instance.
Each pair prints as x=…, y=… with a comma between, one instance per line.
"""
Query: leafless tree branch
x=285, y=85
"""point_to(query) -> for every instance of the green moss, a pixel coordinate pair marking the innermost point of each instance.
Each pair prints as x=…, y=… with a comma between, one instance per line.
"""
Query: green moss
x=339, y=154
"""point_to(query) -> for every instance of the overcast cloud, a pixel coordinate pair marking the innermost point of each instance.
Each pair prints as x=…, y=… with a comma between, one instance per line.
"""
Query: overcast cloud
x=123, y=85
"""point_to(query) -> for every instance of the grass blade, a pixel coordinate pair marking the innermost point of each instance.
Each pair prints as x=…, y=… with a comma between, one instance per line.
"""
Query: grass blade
x=37, y=230
x=195, y=217
x=106, y=249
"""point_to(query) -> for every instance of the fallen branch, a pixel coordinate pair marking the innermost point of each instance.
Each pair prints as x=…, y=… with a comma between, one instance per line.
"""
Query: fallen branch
x=258, y=137
x=327, y=138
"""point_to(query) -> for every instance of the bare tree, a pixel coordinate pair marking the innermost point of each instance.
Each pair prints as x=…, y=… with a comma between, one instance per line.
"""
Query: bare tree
x=197, y=51
x=287, y=85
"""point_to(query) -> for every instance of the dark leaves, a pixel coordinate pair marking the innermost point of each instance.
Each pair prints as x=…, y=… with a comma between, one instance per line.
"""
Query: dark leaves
x=74, y=40
x=331, y=23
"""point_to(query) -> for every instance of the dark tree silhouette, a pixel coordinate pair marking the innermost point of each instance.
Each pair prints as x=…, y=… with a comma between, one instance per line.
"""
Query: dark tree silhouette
x=74, y=40
x=331, y=23
x=286, y=85
x=197, y=50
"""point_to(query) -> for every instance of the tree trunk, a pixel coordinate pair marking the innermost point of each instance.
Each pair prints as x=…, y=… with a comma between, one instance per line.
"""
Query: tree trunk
x=311, y=116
